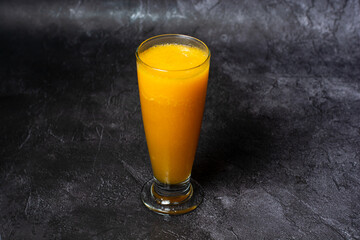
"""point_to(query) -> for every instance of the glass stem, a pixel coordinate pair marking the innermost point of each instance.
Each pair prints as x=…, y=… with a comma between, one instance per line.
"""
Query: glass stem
x=171, y=194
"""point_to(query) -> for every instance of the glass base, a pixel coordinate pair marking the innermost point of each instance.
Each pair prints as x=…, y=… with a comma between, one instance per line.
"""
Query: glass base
x=172, y=199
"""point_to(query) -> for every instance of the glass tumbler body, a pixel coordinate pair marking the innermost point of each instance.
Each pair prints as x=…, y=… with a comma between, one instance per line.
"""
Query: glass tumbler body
x=172, y=95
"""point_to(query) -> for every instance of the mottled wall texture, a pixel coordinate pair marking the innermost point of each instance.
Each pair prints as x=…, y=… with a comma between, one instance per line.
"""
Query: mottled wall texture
x=264, y=36
x=279, y=152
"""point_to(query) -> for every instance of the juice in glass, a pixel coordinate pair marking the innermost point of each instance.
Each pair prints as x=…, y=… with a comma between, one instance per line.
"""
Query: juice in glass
x=172, y=77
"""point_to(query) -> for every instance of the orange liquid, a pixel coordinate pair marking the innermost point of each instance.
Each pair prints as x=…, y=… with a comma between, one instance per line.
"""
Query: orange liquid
x=172, y=105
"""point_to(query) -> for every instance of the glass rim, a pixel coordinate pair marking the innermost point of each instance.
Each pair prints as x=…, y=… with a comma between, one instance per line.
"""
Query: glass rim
x=174, y=35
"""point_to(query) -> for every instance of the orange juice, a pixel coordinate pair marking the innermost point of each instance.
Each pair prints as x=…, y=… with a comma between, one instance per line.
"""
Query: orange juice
x=172, y=85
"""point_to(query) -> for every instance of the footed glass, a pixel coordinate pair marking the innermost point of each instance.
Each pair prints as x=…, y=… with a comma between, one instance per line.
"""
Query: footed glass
x=172, y=74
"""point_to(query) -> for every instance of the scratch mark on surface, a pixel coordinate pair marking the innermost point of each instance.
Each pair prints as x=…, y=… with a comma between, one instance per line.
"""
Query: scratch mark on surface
x=214, y=6
x=307, y=13
x=327, y=154
x=336, y=184
x=28, y=203
x=173, y=234
x=57, y=137
x=99, y=145
x=26, y=139
x=233, y=232
x=138, y=177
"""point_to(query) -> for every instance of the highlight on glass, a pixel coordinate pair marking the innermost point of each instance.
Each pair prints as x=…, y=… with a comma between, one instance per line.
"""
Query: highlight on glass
x=172, y=72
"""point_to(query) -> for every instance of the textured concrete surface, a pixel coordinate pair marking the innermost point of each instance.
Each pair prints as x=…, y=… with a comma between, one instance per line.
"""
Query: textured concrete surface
x=279, y=152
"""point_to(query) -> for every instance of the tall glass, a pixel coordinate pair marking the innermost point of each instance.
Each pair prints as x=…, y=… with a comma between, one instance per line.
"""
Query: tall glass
x=172, y=104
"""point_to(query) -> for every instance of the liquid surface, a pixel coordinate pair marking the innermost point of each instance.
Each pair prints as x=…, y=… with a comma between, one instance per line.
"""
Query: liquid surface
x=172, y=105
x=173, y=57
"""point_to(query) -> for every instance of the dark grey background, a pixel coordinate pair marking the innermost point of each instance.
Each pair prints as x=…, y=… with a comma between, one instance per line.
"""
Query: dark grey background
x=279, y=153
